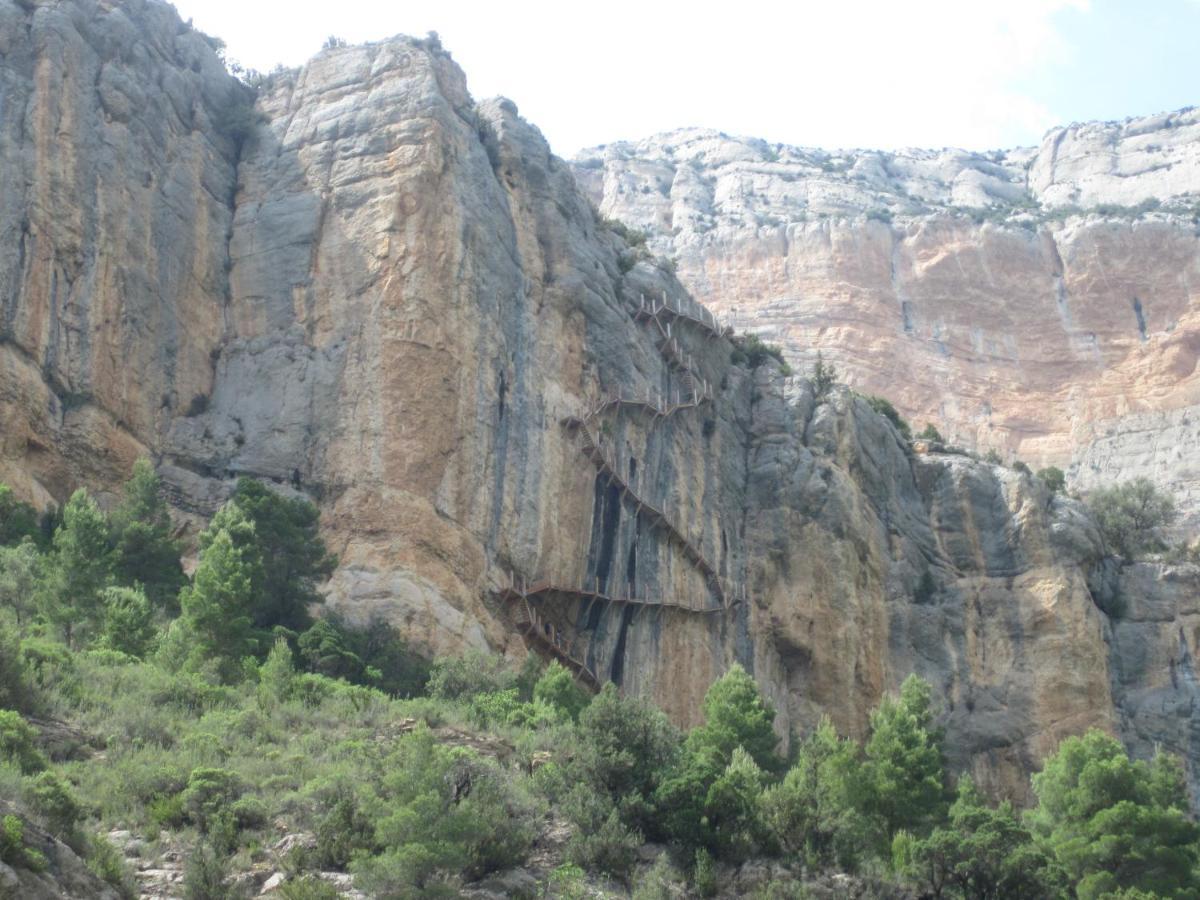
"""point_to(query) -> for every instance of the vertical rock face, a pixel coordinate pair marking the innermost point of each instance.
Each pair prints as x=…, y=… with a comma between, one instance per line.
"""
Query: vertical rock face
x=1039, y=302
x=116, y=208
x=396, y=300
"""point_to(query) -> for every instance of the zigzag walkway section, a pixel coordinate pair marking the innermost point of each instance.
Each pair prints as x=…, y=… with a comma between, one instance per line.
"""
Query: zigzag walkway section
x=697, y=391
x=546, y=634
x=655, y=516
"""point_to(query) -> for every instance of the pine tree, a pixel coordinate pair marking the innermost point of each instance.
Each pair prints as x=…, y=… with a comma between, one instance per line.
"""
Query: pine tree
x=1116, y=824
x=20, y=573
x=294, y=558
x=146, y=554
x=128, y=621
x=79, y=568
x=903, y=771
x=216, y=607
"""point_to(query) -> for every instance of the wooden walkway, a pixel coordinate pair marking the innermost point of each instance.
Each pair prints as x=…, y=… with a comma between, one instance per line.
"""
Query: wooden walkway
x=667, y=310
x=593, y=595
x=697, y=391
x=548, y=636
x=657, y=518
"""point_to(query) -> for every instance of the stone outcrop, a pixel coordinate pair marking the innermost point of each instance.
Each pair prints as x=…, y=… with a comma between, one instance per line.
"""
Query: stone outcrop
x=1040, y=302
x=389, y=297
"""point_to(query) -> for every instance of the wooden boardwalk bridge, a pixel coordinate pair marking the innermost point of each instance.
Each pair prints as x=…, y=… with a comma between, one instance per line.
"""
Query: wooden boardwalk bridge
x=695, y=391
x=545, y=634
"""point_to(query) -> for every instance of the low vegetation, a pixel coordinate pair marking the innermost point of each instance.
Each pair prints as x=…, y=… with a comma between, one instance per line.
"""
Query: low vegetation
x=752, y=351
x=226, y=712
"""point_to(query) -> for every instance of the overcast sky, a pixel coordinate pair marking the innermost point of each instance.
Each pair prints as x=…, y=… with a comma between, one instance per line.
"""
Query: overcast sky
x=978, y=74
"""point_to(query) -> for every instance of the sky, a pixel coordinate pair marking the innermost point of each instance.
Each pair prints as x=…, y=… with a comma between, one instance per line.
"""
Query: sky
x=976, y=74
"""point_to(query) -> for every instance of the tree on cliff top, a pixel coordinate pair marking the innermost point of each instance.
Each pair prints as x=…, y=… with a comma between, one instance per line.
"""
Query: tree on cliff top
x=1132, y=515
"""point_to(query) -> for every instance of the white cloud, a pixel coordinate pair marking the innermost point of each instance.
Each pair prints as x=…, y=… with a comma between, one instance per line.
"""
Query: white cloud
x=849, y=73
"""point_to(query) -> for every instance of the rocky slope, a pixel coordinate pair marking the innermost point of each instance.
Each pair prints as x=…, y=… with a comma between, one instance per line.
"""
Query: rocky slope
x=1042, y=302
x=381, y=293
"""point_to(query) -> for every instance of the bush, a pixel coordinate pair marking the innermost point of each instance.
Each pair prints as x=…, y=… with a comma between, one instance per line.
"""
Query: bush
x=128, y=624
x=750, y=350
x=1131, y=516
x=602, y=842
x=1116, y=824
x=342, y=832
x=558, y=689
x=208, y=794
x=109, y=866
x=18, y=743
x=310, y=887
x=54, y=803
x=1052, y=477
x=884, y=408
x=461, y=678
x=704, y=874
x=206, y=876
x=993, y=458
x=442, y=811
x=823, y=376
x=930, y=433
x=1019, y=466
x=16, y=689
x=13, y=851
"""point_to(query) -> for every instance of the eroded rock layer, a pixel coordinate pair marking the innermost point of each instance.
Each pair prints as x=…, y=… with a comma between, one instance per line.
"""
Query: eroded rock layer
x=380, y=293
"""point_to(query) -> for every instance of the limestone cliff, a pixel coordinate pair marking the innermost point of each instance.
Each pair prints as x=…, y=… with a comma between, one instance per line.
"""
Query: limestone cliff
x=1042, y=302
x=395, y=299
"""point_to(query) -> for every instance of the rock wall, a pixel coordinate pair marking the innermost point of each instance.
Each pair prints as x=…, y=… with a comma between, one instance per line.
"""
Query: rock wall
x=396, y=300
x=1020, y=300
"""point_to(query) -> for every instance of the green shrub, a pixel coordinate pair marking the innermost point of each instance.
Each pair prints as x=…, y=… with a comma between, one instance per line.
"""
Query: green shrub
x=930, y=433
x=146, y=554
x=704, y=874
x=600, y=841
x=461, y=678
x=310, y=887
x=442, y=811
x=53, y=801
x=1019, y=466
x=884, y=408
x=107, y=864
x=16, y=687
x=993, y=458
x=12, y=846
x=206, y=876
x=167, y=812
x=903, y=767
x=1052, y=477
x=342, y=832
x=18, y=743
x=662, y=882
x=50, y=666
x=20, y=574
x=127, y=621
x=823, y=376
x=209, y=793
x=1131, y=516
x=1114, y=823
x=813, y=814
x=750, y=350
x=557, y=688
